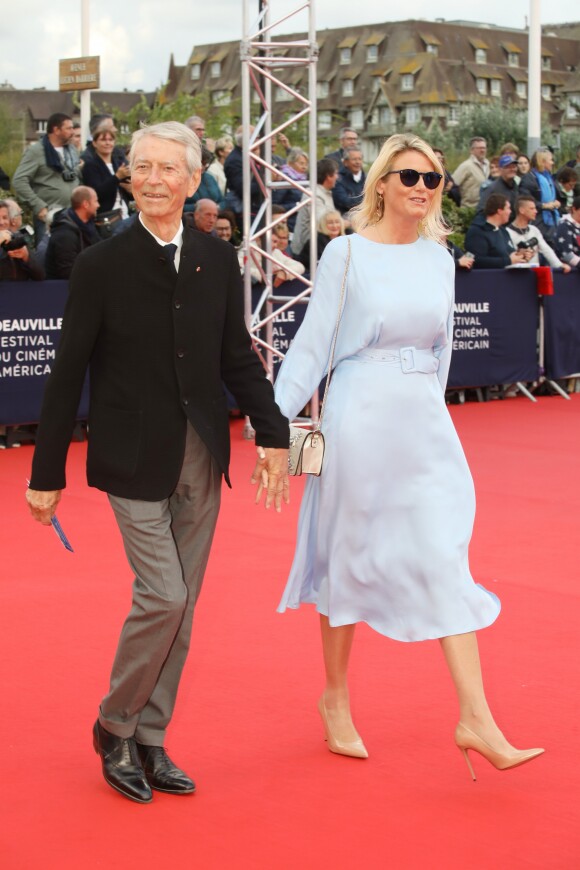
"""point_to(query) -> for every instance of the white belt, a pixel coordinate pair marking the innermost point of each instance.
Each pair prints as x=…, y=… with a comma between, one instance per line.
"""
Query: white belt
x=411, y=359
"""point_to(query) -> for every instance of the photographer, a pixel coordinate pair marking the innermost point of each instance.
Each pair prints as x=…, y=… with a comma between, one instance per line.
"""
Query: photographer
x=528, y=238
x=16, y=261
x=48, y=171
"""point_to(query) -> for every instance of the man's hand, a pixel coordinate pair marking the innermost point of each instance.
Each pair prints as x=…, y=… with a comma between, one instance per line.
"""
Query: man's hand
x=20, y=254
x=565, y=268
x=42, y=214
x=518, y=257
x=43, y=504
x=271, y=474
x=284, y=141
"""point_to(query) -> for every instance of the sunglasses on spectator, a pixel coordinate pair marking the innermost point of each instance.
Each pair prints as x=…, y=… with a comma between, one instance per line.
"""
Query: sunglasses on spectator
x=410, y=177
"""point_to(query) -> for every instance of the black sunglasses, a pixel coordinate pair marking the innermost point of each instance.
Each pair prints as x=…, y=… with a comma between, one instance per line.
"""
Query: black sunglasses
x=410, y=177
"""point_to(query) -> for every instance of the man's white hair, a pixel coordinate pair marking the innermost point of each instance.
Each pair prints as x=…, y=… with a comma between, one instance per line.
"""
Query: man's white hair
x=13, y=208
x=173, y=131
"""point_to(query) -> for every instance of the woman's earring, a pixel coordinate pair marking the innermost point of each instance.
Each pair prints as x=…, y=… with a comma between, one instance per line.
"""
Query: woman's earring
x=380, y=206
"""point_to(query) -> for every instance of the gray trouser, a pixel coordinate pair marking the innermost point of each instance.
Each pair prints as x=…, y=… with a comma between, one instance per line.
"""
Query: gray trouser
x=167, y=544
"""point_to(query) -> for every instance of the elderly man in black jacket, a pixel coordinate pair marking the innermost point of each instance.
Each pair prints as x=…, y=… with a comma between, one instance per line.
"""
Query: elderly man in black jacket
x=349, y=187
x=156, y=313
x=504, y=185
x=72, y=230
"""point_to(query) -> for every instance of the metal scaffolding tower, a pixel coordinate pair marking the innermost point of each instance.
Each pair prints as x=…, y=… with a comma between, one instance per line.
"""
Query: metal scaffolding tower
x=263, y=55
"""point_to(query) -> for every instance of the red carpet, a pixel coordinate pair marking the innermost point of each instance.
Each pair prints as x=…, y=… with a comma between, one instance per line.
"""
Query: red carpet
x=270, y=796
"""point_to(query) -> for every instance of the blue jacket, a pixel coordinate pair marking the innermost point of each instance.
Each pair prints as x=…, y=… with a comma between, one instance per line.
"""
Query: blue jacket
x=208, y=189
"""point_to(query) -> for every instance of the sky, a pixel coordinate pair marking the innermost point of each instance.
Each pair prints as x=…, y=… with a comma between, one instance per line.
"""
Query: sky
x=135, y=38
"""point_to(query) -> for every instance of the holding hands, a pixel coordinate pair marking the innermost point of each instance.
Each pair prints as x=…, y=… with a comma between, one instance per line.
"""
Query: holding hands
x=271, y=474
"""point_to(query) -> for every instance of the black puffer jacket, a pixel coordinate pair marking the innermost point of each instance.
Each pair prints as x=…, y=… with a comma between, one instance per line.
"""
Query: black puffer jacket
x=68, y=237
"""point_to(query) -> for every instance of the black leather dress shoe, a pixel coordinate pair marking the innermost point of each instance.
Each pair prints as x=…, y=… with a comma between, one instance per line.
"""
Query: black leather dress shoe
x=121, y=765
x=162, y=774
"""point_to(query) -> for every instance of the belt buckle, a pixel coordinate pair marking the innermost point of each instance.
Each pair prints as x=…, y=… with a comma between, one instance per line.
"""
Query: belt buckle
x=407, y=355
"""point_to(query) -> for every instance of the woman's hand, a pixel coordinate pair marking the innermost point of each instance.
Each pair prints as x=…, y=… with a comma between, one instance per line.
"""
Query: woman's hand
x=123, y=172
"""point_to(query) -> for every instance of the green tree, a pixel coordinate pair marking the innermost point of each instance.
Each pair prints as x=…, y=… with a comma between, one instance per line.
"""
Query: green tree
x=10, y=139
x=219, y=119
x=458, y=219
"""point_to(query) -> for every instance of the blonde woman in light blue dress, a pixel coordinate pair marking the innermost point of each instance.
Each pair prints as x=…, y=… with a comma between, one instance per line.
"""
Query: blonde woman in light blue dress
x=384, y=533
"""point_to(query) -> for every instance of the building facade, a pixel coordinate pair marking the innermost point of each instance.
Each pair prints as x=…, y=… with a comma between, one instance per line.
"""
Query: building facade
x=378, y=77
x=34, y=107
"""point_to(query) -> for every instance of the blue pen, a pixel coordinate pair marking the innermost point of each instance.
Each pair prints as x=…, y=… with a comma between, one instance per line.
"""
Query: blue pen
x=59, y=531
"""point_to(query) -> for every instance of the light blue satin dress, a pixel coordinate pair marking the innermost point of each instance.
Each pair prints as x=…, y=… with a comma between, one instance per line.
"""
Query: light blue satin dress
x=383, y=534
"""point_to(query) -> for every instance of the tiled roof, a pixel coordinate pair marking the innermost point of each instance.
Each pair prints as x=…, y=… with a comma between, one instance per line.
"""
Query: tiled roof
x=374, y=39
x=440, y=55
x=38, y=104
x=484, y=71
x=511, y=47
x=517, y=74
x=478, y=43
x=429, y=39
x=348, y=42
x=411, y=67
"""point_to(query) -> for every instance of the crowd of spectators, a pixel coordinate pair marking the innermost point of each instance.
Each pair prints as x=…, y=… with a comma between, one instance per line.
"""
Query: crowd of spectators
x=526, y=212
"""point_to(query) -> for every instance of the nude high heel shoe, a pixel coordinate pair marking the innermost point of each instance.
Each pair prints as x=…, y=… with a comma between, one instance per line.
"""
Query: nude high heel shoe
x=354, y=749
x=466, y=739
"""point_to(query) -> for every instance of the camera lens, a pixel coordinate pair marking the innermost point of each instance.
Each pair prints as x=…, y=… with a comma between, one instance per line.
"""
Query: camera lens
x=16, y=242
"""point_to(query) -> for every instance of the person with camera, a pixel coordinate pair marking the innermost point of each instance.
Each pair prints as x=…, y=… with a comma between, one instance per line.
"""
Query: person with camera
x=107, y=172
x=48, y=171
x=528, y=238
x=17, y=263
x=15, y=216
x=488, y=239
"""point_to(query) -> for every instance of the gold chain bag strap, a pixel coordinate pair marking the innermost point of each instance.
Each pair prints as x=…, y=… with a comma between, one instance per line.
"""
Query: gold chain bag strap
x=306, y=452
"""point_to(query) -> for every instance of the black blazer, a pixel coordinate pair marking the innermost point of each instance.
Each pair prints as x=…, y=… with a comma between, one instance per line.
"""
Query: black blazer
x=158, y=347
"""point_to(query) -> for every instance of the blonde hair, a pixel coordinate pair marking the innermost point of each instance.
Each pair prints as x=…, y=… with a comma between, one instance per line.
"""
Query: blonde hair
x=323, y=228
x=365, y=215
x=281, y=229
x=540, y=159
